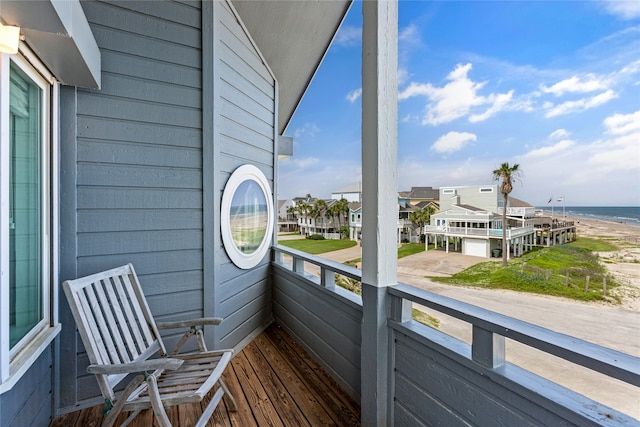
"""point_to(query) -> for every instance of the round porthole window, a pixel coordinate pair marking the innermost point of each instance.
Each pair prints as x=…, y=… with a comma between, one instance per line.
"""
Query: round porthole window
x=247, y=216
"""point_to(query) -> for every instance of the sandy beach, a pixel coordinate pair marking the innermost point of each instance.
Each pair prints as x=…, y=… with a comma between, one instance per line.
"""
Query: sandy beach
x=624, y=263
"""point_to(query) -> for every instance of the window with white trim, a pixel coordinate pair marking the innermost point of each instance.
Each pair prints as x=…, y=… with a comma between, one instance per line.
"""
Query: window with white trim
x=27, y=214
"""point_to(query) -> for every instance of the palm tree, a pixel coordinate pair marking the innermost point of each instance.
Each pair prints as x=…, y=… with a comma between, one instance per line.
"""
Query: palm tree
x=508, y=174
x=422, y=217
x=317, y=211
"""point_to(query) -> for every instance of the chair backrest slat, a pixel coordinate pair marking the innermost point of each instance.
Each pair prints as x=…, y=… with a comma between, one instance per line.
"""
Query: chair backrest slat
x=114, y=320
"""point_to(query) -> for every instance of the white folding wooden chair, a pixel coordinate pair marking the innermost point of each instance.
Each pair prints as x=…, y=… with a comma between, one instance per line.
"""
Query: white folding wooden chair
x=121, y=337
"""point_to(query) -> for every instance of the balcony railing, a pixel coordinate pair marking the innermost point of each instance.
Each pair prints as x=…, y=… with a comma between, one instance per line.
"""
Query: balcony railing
x=436, y=376
x=480, y=232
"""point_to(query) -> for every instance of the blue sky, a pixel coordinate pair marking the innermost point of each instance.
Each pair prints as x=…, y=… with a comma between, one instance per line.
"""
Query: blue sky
x=551, y=85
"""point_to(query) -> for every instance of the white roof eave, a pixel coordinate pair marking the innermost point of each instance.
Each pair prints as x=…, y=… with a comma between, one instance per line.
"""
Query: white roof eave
x=58, y=32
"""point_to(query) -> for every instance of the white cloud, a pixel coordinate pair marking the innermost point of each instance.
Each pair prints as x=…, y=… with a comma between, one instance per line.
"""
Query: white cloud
x=456, y=99
x=498, y=101
x=453, y=141
x=308, y=129
x=559, y=133
x=349, y=36
x=622, y=124
x=589, y=83
x=354, y=95
x=626, y=9
x=299, y=163
x=579, y=105
x=410, y=34
x=551, y=150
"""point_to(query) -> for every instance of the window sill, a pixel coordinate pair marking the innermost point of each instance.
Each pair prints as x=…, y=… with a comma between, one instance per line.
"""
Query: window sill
x=23, y=361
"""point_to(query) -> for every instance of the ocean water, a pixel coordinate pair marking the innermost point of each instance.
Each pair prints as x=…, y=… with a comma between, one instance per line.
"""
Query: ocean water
x=624, y=214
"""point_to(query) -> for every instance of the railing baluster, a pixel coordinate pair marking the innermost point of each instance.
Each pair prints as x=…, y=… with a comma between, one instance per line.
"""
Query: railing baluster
x=327, y=278
x=487, y=348
x=298, y=264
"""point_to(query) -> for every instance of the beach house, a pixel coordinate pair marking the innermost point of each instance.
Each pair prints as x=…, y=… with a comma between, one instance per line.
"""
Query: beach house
x=128, y=127
x=470, y=222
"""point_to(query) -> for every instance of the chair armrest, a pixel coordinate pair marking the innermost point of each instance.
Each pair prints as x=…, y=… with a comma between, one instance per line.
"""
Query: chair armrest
x=189, y=323
x=133, y=367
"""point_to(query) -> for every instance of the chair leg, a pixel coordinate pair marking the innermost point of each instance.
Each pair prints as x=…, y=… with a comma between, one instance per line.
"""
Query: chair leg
x=228, y=397
x=211, y=407
x=156, y=402
x=115, y=411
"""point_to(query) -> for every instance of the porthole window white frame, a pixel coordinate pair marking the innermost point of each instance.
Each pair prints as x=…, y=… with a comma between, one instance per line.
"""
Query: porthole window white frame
x=241, y=175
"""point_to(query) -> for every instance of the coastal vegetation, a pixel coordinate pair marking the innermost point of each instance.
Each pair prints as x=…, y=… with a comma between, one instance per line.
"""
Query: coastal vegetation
x=570, y=271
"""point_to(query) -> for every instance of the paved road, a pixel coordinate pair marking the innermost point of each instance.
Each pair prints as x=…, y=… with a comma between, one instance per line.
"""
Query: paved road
x=605, y=325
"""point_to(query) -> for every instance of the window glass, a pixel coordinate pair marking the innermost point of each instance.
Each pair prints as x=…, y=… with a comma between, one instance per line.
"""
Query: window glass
x=248, y=216
x=25, y=205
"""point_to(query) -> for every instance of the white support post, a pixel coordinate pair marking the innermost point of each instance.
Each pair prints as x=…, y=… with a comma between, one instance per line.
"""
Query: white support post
x=379, y=207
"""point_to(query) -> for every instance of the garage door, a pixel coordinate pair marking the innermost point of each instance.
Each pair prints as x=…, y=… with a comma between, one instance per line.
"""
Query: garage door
x=475, y=247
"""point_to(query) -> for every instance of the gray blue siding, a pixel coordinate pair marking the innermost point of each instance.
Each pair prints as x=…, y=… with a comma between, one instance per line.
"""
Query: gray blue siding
x=329, y=328
x=144, y=161
x=244, y=113
x=29, y=403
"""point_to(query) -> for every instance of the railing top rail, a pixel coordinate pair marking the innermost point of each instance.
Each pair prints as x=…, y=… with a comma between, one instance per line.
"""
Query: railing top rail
x=607, y=361
x=345, y=270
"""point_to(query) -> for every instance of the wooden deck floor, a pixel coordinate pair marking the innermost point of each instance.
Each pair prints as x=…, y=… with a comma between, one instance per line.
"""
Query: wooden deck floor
x=274, y=382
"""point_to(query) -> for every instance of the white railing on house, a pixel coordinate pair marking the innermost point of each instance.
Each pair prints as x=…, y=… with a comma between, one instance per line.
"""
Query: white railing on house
x=480, y=232
x=523, y=212
x=439, y=376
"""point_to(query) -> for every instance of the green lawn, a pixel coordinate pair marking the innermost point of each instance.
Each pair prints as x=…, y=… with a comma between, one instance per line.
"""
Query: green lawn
x=317, y=246
x=542, y=271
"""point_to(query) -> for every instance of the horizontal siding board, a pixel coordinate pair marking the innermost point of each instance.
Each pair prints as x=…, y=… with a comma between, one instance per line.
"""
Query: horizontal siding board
x=146, y=24
x=125, y=153
x=233, y=38
x=261, y=109
x=243, y=297
x=246, y=319
x=138, y=176
x=91, y=244
x=139, y=198
x=263, y=96
x=21, y=404
x=533, y=398
x=237, y=114
x=93, y=221
x=187, y=13
x=240, y=281
x=230, y=163
x=232, y=131
x=174, y=304
x=418, y=405
x=403, y=418
x=127, y=87
x=239, y=150
x=92, y=104
x=449, y=387
x=145, y=47
x=153, y=70
x=157, y=263
x=328, y=326
x=109, y=129
x=230, y=61
x=172, y=282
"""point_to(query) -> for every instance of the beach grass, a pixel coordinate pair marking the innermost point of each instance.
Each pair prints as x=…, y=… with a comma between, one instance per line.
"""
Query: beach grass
x=558, y=271
x=596, y=245
x=315, y=247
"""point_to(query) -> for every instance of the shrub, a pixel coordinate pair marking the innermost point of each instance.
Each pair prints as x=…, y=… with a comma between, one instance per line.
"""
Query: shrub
x=315, y=237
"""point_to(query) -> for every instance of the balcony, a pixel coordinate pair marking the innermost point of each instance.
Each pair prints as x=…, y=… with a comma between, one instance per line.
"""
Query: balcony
x=435, y=377
x=274, y=382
